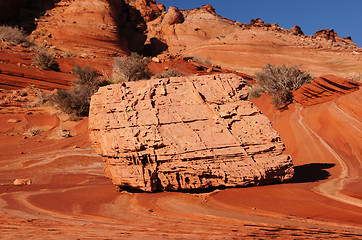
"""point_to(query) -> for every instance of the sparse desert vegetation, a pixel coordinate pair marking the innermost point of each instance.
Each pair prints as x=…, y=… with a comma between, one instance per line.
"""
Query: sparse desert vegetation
x=13, y=35
x=130, y=68
x=46, y=61
x=76, y=100
x=169, y=73
x=279, y=81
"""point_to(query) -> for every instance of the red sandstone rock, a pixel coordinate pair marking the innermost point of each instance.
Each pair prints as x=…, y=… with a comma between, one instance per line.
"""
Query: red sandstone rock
x=297, y=30
x=149, y=9
x=328, y=34
x=173, y=16
x=209, y=8
x=185, y=133
x=22, y=181
x=324, y=88
x=257, y=22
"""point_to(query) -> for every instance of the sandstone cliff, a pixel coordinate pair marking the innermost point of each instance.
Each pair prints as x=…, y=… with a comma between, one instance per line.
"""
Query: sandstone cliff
x=185, y=133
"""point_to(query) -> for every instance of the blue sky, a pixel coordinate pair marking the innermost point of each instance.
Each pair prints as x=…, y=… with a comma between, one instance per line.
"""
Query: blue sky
x=344, y=16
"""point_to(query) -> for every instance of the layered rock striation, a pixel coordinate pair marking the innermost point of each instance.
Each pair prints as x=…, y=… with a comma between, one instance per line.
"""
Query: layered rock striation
x=185, y=133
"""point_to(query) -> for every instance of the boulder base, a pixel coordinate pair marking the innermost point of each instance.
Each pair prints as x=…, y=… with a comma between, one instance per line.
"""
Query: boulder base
x=185, y=133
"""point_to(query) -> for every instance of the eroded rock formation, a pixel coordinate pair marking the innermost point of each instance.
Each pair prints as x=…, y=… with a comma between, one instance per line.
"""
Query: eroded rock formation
x=149, y=9
x=328, y=34
x=297, y=30
x=185, y=133
x=173, y=16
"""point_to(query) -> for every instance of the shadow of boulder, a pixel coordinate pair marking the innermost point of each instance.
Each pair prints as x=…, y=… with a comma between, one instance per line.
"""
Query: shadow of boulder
x=312, y=172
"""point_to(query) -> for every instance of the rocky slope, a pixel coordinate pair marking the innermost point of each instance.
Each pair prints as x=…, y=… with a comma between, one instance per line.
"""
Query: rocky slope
x=185, y=133
x=206, y=36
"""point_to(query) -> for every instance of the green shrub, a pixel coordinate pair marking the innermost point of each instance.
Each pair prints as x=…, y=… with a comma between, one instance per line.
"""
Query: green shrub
x=45, y=61
x=280, y=81
x=169, y=73
x=12, y=34
x=131, y=68
x=76, y=100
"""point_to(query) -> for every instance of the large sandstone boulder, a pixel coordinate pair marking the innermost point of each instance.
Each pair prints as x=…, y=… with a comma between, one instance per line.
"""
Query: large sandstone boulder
x=173, y=16
x=185, y=133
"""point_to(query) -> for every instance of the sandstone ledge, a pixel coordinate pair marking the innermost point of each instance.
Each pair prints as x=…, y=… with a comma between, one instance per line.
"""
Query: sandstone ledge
x=185, y=133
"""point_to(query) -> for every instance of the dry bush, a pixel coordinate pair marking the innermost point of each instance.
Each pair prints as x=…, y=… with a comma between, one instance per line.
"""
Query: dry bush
x=13, y=35
x=206, y=61
x=131, y=68
x=169, y=73
x=34, y=131
x=85, y=75
x=280, y=81
x=254, y=91
x=45, y=61
x=357, y=76
x=76, y=100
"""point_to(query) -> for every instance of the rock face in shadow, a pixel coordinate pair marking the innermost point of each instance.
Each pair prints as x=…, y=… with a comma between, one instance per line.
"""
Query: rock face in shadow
x=22, y=12
x=185, y=133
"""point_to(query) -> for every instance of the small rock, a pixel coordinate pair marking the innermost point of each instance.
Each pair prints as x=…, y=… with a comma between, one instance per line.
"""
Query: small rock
x=297, y=30
x=156, y=59
x=22, y=181
x=12, y=120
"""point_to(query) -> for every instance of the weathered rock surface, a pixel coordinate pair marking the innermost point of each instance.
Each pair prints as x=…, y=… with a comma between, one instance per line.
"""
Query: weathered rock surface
x=173, y=16
x=297, y=30
x=185, y=133
x=258, y=42
x=149, y=9
x=328, y=34
x=22, y=181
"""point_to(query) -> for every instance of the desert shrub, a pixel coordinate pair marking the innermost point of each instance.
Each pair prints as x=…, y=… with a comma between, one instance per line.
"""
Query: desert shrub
x=68, y=55
x=85, y=75
x=12, y=34
x=357, y=76
x=76, y=100
x=280, y=81
x=131, y=68
x=254, y=91
x=45, y=61
x=206, y=61
x=169, y=73
x=34, y=131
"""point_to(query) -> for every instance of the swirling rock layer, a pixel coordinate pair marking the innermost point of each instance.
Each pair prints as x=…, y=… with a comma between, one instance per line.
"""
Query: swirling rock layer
x=185, y=133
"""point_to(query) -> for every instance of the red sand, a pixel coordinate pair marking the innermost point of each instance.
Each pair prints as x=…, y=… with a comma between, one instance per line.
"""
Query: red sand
x=71, y=198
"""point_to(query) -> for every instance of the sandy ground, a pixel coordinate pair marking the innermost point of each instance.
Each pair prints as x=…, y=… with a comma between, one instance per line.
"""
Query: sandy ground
x=70, y=198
